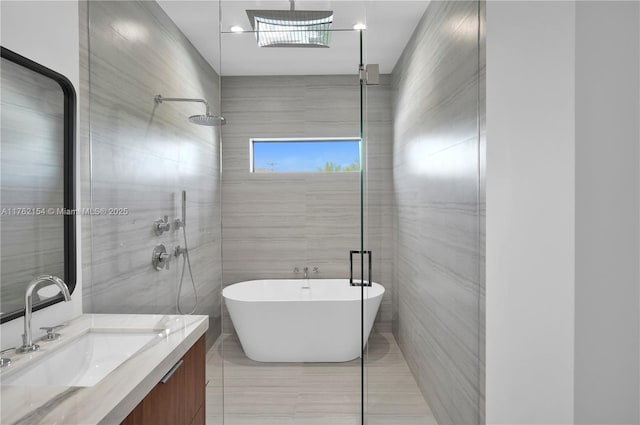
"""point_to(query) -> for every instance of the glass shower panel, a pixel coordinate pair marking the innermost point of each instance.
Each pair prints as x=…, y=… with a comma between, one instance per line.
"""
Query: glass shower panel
x=424, y=218
x=291, y=216
x=143, y=155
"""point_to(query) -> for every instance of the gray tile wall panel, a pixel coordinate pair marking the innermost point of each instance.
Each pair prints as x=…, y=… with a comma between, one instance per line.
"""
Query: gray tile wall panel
x=439, y=210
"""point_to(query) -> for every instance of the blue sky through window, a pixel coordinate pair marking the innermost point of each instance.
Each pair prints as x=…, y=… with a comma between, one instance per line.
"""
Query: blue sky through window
x=305, y=155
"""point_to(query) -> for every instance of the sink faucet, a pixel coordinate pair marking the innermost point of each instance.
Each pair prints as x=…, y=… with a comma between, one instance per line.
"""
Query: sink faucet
x=27, y=338
x=306, y=272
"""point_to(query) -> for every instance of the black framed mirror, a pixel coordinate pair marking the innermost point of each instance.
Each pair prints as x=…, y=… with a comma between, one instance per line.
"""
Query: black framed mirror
x=37, y=186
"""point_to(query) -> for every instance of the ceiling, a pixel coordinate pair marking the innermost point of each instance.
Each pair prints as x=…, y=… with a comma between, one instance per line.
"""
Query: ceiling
x=390, y=24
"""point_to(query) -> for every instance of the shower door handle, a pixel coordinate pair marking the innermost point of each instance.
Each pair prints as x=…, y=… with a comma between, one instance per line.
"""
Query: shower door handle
x=351, y=282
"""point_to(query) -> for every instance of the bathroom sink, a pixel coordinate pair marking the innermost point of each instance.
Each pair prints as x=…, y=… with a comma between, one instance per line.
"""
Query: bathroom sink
x=82, y=362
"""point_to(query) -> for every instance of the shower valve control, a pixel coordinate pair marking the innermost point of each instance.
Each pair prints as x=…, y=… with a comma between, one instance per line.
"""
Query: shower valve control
x=160, y=259
x=161, y=225
x=180, y=251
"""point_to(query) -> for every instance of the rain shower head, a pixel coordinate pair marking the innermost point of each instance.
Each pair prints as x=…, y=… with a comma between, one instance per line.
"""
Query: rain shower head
x=206, y=119
x=291, y=28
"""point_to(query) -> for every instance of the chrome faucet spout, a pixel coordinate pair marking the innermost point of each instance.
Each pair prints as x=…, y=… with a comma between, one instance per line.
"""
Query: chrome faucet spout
x=305, y=282
x=39, y=282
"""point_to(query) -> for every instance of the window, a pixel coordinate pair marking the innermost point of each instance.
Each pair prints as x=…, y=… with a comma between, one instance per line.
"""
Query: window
x=318, y=155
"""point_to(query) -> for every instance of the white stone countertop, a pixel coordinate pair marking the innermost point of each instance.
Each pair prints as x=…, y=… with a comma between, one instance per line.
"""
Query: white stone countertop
x=116, y=395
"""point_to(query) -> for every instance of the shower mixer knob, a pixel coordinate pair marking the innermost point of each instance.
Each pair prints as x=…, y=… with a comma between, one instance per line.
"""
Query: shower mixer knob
x=161, y=225
x=160, y=258
x=165, y=259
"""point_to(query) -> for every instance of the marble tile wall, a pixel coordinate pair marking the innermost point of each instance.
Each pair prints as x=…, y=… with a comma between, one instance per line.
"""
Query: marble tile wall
x=438, y=186
x=141, y=156
x=482, y=207
x=273, y=222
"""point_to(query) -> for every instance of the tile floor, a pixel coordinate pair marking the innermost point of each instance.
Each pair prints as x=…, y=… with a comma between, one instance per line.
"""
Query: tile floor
x=312, y=393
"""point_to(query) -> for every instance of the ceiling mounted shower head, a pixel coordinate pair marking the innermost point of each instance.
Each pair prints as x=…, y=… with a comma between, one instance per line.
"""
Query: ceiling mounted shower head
x=206, y=119
x=291, y=28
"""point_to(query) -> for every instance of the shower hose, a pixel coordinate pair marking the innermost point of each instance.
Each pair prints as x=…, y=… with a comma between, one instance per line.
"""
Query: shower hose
x=186, y=262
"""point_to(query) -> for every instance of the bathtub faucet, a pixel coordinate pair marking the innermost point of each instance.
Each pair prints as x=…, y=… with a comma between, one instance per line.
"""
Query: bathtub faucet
x=305, y=282
x=306, y=271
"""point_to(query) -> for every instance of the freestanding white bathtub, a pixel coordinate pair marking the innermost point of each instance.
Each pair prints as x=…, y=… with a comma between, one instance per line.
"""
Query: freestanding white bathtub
x=281, y=321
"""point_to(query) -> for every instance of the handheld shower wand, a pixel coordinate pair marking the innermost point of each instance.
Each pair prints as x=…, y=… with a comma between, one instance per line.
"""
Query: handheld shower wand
x=184, y=208
x=181, y=222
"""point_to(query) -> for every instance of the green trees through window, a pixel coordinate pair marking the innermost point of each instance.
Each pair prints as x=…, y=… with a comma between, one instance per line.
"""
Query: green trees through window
x=330, y=167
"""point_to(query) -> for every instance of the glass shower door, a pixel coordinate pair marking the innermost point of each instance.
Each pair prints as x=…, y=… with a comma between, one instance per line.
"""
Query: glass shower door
x=423, y=219
x=291, y=216
x=140, y=157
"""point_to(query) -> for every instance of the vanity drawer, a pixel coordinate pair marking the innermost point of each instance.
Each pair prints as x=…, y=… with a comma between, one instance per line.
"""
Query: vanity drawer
x=179, y=398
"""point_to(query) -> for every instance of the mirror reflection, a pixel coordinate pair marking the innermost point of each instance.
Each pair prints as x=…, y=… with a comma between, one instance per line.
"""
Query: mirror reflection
x=32, y=190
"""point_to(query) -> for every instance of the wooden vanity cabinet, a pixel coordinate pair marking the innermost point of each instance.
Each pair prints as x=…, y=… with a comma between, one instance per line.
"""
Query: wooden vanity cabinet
x=180, y=400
